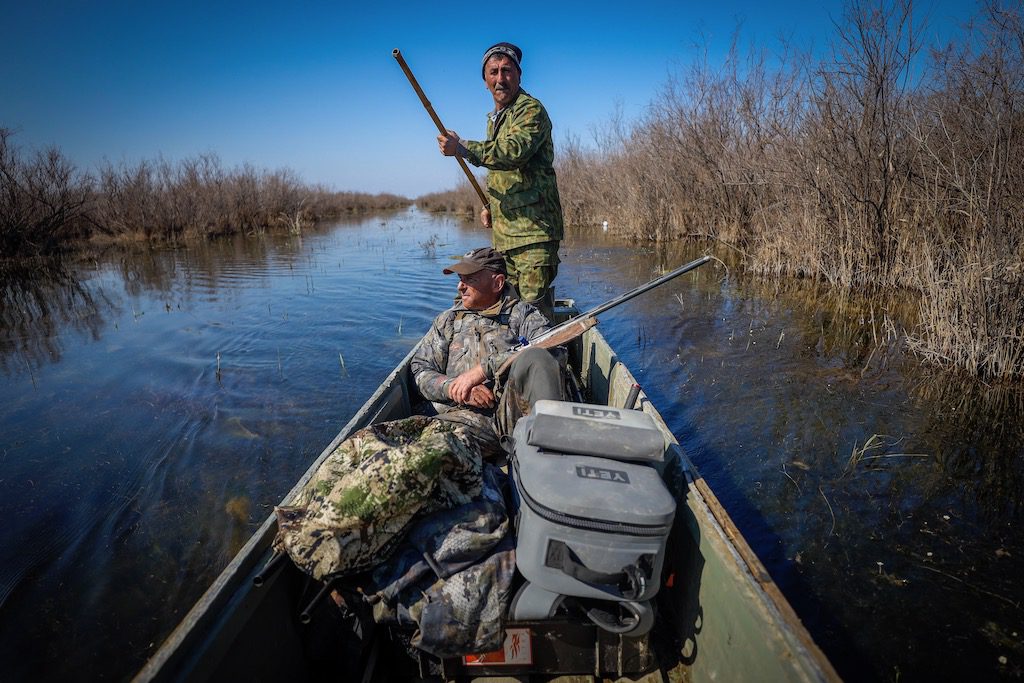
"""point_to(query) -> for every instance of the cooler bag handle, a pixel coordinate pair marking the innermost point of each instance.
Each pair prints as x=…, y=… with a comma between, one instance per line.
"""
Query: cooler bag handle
x=630, y=582
x=637, y=621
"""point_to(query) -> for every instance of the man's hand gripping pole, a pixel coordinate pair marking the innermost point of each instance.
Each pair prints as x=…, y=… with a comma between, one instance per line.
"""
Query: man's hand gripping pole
x=437, y=122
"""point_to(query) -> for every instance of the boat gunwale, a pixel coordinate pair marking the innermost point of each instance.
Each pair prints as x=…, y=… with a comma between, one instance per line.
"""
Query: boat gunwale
x=205, y=612
x=756, y=574
x=728, y=535
x=229, y=587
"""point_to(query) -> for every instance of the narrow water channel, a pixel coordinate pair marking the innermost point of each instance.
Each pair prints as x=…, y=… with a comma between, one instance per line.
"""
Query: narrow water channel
x=156, y=406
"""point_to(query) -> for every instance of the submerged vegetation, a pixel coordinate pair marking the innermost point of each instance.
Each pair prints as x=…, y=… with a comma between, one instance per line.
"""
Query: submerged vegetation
x=879, y=167
x=47, y=205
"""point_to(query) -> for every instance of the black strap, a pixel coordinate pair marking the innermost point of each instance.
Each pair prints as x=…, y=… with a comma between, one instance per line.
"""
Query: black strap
x=630, y=582
x=508, y=444
x=441, y=574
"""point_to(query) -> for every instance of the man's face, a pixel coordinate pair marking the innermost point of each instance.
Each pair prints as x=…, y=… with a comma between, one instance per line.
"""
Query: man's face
x=502, y=79
x=481, y=290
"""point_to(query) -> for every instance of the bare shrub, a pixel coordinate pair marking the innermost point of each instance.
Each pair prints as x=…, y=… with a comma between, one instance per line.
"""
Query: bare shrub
x=46, y=204
x=870, y=168
x=969, y=131
x=462, y=200
x=42, y=199
x=329, y=203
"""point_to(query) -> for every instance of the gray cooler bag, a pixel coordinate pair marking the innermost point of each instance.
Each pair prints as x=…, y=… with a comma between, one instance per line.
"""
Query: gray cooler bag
x=589, y=525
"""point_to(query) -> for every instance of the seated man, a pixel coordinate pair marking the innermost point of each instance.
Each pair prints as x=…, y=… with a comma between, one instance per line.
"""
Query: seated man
x=457, y=360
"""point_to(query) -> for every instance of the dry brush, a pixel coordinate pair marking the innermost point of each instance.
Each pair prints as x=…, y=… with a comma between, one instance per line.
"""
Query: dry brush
x=880, y=167
x=47, y=205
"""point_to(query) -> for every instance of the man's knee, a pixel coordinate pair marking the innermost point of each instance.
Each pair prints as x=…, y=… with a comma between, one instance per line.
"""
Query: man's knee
x=535, y=282
x=537, y=374
x=534, y=358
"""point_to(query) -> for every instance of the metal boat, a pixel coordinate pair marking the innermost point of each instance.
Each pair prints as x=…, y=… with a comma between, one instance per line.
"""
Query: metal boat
x=720, y=615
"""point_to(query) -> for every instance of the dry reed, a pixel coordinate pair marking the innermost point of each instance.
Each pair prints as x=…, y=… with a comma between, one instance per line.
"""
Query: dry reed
x=879, y=167
x=462, y=200
x=47, y=205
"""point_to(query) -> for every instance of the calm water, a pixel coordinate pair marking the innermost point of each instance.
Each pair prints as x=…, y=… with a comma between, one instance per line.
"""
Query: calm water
x=156, y=407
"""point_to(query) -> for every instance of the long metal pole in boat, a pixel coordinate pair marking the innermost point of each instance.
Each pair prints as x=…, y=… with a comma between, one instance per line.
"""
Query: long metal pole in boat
x=568, y=330
x=437, y=122
x=623, y=298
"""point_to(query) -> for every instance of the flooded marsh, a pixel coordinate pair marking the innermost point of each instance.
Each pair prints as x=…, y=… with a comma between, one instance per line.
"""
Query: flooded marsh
x=158, y=404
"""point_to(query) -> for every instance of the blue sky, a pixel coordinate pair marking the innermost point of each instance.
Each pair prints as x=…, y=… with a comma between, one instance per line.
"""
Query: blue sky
x=312, y=86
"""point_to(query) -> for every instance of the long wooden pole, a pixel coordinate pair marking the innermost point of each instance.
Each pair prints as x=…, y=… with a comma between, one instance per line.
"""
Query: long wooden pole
x=437, y=122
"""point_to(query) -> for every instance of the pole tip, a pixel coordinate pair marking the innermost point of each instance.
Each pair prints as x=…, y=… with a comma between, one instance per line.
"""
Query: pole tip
x=395, y=52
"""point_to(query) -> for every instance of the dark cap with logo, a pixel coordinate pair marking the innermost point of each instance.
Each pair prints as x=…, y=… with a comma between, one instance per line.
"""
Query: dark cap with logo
x=484, y=258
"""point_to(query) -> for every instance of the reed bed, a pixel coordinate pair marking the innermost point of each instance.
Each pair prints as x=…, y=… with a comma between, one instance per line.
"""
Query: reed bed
x=48, y=205
x=879, y=167
x=462, y=200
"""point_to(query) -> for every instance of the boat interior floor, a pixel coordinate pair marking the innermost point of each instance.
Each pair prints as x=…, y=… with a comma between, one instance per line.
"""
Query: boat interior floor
x=342, y=642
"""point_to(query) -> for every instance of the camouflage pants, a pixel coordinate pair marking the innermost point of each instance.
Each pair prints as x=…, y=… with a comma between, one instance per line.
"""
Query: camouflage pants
x=532, y=270
x=533, y=375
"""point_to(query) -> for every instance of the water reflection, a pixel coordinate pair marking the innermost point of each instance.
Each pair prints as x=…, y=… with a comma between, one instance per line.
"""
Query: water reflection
x=40, y=300
x=884, y=498
x=174, y=395
x=892, y=467
x=978, y=435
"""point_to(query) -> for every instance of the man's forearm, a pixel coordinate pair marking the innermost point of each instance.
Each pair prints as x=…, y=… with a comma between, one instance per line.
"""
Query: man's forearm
x=462, y=387
x=503, y=154
x=433, y=385
x=519, y=139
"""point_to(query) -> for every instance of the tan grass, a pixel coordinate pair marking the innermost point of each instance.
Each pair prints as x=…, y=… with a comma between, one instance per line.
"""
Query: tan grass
x=462, y=200
x=879, y=167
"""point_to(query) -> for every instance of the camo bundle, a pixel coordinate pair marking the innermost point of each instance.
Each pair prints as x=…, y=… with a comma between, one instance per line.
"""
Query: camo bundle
x=357, y=507
x=452, y=576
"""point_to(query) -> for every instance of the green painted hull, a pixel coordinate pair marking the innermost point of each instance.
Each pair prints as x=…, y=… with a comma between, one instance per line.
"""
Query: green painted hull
x=730, y=621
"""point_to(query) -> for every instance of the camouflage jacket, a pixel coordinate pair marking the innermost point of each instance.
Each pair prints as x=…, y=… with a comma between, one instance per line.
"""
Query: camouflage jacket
x=460, y=339
x=519, y=152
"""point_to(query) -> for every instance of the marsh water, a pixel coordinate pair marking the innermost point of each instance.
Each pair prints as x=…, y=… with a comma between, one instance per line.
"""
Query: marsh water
x=157, y=404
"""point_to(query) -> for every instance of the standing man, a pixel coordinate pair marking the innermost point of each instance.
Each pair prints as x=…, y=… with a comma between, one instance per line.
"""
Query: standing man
x=525, y=212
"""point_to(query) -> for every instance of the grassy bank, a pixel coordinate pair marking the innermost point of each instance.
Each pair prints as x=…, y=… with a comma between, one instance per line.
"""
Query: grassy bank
x=879, y=167
x=462, y=200
x=47, y=205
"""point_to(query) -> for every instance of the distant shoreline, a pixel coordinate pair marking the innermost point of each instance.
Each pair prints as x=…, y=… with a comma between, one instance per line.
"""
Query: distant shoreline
x=49, y=207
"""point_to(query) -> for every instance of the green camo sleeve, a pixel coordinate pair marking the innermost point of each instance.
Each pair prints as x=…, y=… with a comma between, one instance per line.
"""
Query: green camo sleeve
x=518, y=140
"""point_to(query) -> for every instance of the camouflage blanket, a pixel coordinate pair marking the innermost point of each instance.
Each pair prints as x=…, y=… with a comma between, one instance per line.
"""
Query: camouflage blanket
x=452, y=576
x=357, y=507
